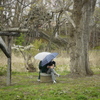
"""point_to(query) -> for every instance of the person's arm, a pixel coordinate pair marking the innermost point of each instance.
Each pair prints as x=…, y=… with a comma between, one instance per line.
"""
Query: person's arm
x=50, y=66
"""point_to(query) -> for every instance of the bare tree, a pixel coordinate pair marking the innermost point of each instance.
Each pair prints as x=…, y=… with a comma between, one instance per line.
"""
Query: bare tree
x=95, y=31
x=79, y=36
x=77, y=13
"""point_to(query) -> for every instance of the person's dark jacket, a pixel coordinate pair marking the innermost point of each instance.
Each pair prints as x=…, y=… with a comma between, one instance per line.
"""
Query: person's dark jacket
x=44, y=68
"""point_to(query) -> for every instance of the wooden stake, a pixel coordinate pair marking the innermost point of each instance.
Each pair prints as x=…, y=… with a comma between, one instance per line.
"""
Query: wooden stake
x=9, y=62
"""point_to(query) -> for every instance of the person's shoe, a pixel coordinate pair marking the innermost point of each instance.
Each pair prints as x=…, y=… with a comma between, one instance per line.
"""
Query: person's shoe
x=54, y=82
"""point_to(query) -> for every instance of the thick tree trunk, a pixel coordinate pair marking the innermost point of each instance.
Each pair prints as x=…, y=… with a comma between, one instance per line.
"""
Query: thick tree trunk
x=79, y=38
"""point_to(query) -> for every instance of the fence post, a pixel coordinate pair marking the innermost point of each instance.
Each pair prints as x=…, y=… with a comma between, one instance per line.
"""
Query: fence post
x=9, y=62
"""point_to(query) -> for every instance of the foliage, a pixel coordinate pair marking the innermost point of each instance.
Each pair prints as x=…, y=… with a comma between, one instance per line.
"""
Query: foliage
x=26, y=87
x=20, y=40
x=37, y=43
x=35, y=49
x=1, y=8
x=3, y=70
x=97, y=48
x=31, y=49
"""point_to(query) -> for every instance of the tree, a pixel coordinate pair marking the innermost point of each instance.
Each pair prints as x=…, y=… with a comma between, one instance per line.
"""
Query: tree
x=95, y=33
x=77, y=13
x=79, y=18
x=79, y=36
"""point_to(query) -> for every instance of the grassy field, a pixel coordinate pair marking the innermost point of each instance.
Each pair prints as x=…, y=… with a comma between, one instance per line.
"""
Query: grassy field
x=26, y=87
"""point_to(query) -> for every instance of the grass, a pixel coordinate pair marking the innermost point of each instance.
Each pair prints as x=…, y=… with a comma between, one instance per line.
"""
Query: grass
x=25, y=87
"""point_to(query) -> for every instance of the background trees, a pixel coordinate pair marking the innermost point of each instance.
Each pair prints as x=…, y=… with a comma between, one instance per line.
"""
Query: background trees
x=58, y=22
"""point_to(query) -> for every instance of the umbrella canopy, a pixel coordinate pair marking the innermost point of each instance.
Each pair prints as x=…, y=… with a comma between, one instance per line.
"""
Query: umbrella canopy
x=48, y=58
x=41, y=55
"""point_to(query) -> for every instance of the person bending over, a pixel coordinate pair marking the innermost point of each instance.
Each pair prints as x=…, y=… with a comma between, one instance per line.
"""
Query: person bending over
x=49, y=69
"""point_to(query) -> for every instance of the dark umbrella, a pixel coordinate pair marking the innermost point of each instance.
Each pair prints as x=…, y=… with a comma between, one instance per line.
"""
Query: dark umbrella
x=48, y=58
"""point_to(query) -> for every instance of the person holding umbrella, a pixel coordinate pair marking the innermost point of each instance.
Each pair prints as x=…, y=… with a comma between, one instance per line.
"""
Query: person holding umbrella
x=44, y=69
x=47, y=66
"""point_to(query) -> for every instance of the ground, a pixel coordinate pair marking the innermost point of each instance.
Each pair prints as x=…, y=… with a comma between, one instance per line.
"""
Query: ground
x=26, y=87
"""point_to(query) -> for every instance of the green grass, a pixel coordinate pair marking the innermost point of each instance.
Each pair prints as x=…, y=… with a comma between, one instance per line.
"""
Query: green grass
x=25, y=87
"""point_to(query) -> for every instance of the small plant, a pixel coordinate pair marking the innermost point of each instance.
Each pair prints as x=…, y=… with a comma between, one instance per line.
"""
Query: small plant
x=20, y=40
x=81, y=97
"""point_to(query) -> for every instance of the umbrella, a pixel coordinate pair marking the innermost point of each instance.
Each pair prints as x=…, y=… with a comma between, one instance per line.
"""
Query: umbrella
x=48, y=58
x=41, y=55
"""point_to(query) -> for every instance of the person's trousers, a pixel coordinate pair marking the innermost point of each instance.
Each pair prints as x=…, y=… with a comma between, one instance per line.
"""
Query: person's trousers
x=52, y=72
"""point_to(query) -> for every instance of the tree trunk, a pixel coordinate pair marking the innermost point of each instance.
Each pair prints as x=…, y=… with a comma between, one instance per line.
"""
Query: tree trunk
x=79, y=38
